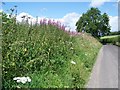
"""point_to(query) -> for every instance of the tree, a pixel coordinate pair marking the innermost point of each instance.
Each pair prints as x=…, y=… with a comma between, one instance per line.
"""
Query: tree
x=115, y=33
x=94, y=22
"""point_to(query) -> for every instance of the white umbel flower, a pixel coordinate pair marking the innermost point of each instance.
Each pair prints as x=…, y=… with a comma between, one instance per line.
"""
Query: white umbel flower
x=22, y=79
x=28, y=79
x=73, y=62
x=16, y=78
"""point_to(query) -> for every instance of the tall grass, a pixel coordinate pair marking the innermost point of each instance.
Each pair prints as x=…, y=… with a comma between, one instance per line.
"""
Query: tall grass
x=44, y=52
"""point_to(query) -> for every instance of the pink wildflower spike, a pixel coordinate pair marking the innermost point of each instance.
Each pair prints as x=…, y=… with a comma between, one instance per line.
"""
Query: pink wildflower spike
x=41, y=22
x=53, y=22
x=63, y=27
x=57, y=24
x=44, y=21
x=49, y=22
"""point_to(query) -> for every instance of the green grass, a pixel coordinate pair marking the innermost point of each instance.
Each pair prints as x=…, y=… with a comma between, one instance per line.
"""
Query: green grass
x=44, y=53
x=113, y=39
x=112, y=36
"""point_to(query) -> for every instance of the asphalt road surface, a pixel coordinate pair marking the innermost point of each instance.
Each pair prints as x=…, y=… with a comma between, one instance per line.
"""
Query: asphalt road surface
x=105, y=70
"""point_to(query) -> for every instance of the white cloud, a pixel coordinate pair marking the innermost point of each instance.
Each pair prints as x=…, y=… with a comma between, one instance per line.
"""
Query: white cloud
x=71, y=19
x=19, y=17
x=68, y=20
x=98, y=3
x=43, y=9
x=32, y=19
x=1, y=10
x=113, y=23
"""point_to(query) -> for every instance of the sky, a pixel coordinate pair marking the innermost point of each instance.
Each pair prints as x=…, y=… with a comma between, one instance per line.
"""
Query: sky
x=67, y=13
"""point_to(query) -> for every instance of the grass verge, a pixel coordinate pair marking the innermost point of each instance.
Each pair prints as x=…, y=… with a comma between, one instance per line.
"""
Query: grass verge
x=50, y=56
x=113, y=39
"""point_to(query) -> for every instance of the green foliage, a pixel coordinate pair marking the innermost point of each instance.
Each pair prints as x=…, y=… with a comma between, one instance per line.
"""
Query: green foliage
x=115, y=33
x=94, y=22
x=114, y=39
x=44, y=53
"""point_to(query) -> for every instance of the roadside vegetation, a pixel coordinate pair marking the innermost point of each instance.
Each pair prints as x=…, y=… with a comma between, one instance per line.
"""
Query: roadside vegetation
x=46, y=53
x=113, y=39
x=115, y=33
x=97, y=25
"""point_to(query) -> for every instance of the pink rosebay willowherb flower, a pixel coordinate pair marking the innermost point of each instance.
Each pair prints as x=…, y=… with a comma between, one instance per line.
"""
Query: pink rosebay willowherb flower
x=58, y=25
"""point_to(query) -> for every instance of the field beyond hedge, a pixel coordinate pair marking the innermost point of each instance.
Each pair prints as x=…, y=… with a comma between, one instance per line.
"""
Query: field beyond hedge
x=113, y=39
x=49, y=55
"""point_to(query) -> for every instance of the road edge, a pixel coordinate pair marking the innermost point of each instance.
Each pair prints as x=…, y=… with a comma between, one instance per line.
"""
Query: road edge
x=93, y=69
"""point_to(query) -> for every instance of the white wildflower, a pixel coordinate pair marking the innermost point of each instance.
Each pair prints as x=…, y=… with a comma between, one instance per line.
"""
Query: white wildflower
x=18, y=80
x=28, y=79
x=71, y=48
x=85, y=54
x=18, y=86
x=4, y=22
x=73, y=62
x=22, y=79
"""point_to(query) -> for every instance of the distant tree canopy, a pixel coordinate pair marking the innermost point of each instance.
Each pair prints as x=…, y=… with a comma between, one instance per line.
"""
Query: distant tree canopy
x=115, y=33
x=94, y=22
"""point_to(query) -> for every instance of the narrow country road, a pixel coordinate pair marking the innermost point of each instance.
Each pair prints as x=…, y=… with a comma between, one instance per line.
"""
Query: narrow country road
x=105, y=71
